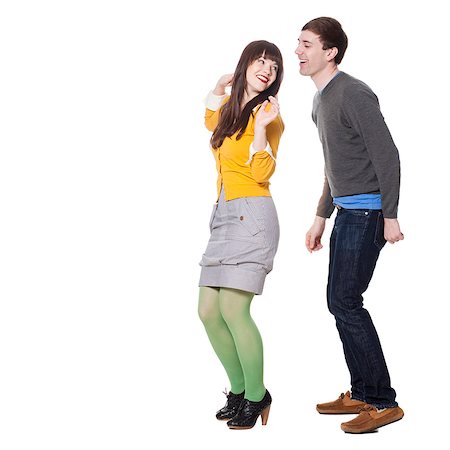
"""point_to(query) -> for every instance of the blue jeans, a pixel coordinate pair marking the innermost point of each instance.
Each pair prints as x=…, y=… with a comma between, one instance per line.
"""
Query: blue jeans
x=356, y=242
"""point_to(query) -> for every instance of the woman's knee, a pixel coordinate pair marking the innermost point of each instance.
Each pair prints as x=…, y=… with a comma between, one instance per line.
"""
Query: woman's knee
x=208, y=305
x=207, y=314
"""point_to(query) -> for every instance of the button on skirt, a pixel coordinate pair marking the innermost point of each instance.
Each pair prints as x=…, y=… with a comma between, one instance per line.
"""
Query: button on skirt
x=243, y=243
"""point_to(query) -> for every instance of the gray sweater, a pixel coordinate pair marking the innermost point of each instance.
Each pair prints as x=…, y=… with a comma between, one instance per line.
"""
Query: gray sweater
x=360, y=155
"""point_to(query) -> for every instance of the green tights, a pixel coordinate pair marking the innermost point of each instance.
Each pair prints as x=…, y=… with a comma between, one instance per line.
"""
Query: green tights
x=225, y=313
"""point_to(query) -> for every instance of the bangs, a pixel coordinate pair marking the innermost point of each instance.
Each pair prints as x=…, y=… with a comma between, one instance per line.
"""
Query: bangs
x=272, y=54
x=266, y=50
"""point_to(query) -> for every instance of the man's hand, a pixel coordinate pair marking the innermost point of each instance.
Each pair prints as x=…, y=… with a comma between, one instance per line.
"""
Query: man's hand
x=392, y=232
x=314, y=235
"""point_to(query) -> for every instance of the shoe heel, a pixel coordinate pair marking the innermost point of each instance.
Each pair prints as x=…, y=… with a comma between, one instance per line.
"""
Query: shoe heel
x=265, y=415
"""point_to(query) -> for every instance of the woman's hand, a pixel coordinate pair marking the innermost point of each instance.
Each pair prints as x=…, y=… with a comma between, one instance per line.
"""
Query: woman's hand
x=268, y=111
x=224, y=81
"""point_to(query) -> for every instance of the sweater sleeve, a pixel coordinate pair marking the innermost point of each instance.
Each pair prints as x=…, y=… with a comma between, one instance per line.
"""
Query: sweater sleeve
x=263, y=162
x=325, y=207
x=213, y=103
x=364, y=115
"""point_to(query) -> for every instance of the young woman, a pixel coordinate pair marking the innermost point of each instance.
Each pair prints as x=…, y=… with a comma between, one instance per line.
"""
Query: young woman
x=246, y=128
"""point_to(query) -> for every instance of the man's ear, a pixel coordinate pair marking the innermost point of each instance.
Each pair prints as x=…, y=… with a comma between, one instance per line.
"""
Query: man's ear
x=331, y=53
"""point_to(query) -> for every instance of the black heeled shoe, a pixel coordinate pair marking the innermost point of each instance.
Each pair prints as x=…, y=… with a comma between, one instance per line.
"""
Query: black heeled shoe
x=249, y=412
x=231, y=406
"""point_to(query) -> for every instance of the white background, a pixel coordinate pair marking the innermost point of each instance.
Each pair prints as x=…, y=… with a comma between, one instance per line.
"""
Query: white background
x=106, y=187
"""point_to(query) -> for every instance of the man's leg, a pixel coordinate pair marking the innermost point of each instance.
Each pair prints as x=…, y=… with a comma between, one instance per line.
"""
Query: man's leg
x=356, y=246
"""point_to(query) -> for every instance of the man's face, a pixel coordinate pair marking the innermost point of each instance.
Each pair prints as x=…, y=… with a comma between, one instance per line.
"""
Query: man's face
x=313, y=59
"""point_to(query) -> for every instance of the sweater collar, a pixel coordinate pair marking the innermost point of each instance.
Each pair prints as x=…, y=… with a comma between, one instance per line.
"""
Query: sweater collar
x=334, y=76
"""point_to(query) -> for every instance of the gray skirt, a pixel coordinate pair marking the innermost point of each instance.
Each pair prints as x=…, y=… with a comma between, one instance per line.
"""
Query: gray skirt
x=243, y=243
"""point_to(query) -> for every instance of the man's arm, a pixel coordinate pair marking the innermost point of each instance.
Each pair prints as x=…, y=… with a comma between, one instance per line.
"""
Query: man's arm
x=314, y=235
x=365, y=117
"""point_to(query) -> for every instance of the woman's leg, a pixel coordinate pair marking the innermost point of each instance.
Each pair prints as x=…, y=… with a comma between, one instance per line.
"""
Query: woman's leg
x=220, y=337
x=235, y=309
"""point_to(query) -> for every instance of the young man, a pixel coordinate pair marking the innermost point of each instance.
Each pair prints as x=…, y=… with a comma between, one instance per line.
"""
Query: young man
x=362, y=180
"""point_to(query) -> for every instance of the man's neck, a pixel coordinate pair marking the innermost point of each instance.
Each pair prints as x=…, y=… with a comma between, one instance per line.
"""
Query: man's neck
x=321, y=79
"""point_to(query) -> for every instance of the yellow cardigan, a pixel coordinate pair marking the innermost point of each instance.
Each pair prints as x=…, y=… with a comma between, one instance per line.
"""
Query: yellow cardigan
x=241, y=177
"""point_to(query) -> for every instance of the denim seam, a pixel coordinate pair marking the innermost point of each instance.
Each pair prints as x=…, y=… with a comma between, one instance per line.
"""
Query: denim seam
x=358, y=267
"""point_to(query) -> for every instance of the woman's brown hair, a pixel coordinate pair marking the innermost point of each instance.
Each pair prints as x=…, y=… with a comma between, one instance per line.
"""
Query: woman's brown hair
x=232, y=118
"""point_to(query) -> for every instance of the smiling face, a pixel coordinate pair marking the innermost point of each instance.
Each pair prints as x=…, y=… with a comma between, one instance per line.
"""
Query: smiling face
x=314, y=60
x=260, y=75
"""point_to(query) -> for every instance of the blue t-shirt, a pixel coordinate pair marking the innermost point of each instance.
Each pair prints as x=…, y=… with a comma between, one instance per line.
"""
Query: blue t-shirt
x=359, y=201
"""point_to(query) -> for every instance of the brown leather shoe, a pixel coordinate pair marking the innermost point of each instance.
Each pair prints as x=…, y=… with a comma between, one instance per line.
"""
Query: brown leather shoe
x=343, y=405
x=370, y=418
